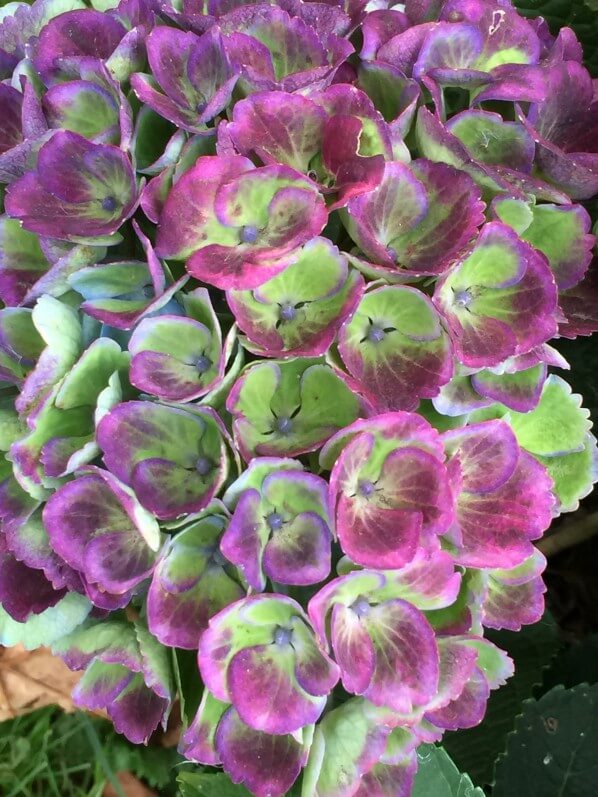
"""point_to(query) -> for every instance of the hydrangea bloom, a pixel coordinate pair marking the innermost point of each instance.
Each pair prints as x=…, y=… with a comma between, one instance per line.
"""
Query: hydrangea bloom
x=279, y=283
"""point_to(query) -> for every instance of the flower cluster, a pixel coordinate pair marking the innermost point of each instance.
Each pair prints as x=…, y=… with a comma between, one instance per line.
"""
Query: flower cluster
x=278, y=285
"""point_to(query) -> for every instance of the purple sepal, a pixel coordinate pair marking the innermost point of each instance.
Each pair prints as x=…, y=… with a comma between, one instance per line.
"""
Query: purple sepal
x=79, y=189
x=504, y=496
x=272, y=671
x=96, y=525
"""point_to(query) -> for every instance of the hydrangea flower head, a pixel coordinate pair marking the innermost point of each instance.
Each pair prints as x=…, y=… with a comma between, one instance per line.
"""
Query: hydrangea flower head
x=280, y=285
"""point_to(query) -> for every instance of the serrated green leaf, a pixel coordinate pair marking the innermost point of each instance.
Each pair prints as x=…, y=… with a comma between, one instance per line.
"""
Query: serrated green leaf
x=552, y=751
x=577, y=664
x=532, y=648
x=559, y=424
x=437, y=776
x=204, y=784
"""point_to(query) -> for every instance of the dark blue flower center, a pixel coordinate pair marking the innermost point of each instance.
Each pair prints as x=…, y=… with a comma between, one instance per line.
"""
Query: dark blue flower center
x=284, y=425
x=376, y=334
x=287, y=312
x=282, y=636
x=463, y=298
x=361, y=607
x=249, y=234
x=203, y=364
x=204, y=465
x=366, y=488
x=109, y=204
x=274, y=521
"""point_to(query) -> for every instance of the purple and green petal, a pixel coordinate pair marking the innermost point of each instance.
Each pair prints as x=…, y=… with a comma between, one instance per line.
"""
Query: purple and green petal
x=347, y=744
x=77, y=34
x=515, y=597
x=561, y=232
x=489, y=139
x=500, y=300
x=564, y=127
x=267, y=765
x=278, y=128
x=260, y=649
x=174, y=459
x=97, y=526
x=90, y=188
x=22, y=261
x=224, y=209
x=190, y=584
x=289, y=407
x=497, y=527
x=194, y=73
x=395, y=346
x=418, y=220
x=388, y=504
x=299, y=311
x=175, y=358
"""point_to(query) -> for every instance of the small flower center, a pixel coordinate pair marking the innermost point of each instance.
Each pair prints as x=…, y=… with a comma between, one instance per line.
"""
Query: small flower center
x=109, y=204
x=287, y=312
x=274, y=521
x=391, y=252
x=249, y=234
x=361, y=607
x=376, y=334
x=282, y=636
x=203, y=364
x=366, y=488
x=284, y=425
x=204, y=465
x=463, y=298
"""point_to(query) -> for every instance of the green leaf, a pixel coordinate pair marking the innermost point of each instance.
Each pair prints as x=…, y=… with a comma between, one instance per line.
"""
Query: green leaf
x=437, y=776
x=203, y=784
x=552, y=751
x=582, y=355
x=574, y=665
x=532, y=648
x=558, y=424
x=45, y=628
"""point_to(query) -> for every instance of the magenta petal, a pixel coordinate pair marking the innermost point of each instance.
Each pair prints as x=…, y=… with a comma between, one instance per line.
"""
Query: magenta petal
x=406, y=673
x=137, y=712
x=263, y=692
x=242, y=543
x=24, y=591
x=267, y=765
x=80, y=33
x=497, y=527
x=300, y=553
x=467, y=710
x=376, y=537
x=515, y=597
x=353, y=649
x=278, y=128
x=488, y=453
